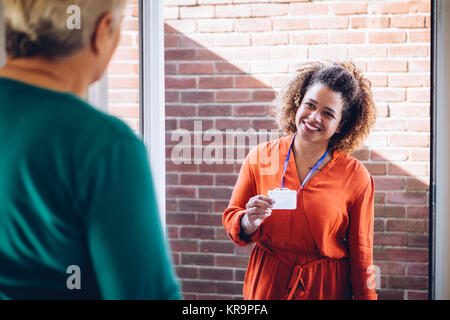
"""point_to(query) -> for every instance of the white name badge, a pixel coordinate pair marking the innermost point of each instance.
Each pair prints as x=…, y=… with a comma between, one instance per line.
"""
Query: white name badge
x=285, y=199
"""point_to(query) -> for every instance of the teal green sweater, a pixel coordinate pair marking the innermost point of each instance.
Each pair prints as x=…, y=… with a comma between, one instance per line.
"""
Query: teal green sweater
x=75, y=190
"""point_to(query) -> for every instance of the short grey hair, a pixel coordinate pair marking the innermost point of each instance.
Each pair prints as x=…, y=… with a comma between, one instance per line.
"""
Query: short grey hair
x=39, y=27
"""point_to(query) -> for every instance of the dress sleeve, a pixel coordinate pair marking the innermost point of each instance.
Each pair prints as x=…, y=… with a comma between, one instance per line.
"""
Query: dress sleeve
x=130, y=256
x=360, y=240
x=244, y=189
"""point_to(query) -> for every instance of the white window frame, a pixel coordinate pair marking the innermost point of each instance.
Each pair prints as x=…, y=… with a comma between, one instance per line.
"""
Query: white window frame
x=440, y=165
x=152, y=93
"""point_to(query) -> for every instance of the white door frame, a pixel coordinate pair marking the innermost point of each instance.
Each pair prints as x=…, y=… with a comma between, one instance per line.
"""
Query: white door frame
x=152, y=93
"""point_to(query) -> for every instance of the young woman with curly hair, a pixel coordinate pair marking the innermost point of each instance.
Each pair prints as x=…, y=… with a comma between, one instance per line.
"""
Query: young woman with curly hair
x=322, y=249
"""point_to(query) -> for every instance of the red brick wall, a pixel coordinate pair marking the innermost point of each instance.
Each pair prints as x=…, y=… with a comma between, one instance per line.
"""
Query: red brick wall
x=226, y=59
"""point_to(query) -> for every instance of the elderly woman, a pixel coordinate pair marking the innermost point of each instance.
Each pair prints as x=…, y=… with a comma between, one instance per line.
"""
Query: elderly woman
x=314, y=232
x=78, y=213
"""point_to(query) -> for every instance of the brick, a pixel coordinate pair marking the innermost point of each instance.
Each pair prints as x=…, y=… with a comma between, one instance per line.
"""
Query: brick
x=390, y=239
x=180, y=54
x=418, y=212
x=390, y=211
x=391, y=268
x=214, y=110
x=270, y=10
x=289, y=53
x=419, y=65
x=308, y=38
x=418, y=240
x=231, y=261
x=243, y=82
x=388, y=7
x=419, y=36
x=217, y=247
x=367, y=51
x=215, y=25
x=407, y=21
x=416, y=6
x=197, y=97
x=419, y=95
x=407, y=169
x=270, y=67
x=184, y=246
x=233, y=96
x=409, y=80
x=257, y=53
x=213, y=219
x=389, y=94
x=180, y=2
x=347, y=37
x=370, y=22
x=417, y=295
x=308, y=9
x=407, y=254
x=193, y=205
x=389, y=155
x=349, y=7
x=187, y=272
x=216, y=274
x=389, y=124
x=215, y=54
x=215, y=82
x=409, y=51
x=249, y=110
x=410, y=140
x=377, y=80
x=387, y=66
x=196, y=12
x=214, y=2
x=402, y=225
x=406, y=197
x=198, y=286
x=253, y=25
x=215, y=193
x=180, y=192
x=195, y=68
x=417, y=269
x=196, y=179
x=196, y=40
x=180, y=26
x=263, y=95
x=298, y=23
x=328, y=52
x=195, y=232
x=180, y=83
x=269, y=39
x=409, y=110
x=389, y=183
x=228, y=11
x=418, y=183
x=420, y=154
x=336, y=22
x=415, y=283
x=233, y=40
x=387, y=37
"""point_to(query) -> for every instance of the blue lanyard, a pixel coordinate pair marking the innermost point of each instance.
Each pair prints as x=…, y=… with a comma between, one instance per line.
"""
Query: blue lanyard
x=310, y=173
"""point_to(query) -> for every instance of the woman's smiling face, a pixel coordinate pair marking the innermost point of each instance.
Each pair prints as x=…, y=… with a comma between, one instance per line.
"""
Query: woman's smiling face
x=319, y=115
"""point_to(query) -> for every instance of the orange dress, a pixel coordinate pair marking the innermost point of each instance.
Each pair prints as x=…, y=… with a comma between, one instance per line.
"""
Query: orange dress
x=322, y=249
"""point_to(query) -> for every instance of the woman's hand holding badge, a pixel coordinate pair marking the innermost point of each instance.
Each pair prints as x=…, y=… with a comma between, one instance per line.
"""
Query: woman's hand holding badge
x=258, y=209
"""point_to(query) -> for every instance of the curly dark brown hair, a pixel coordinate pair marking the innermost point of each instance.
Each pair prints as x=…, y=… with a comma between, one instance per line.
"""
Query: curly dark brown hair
x=359, y=112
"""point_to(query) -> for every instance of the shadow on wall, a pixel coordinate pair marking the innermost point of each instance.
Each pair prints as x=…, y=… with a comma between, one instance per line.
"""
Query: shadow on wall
x=212, y=102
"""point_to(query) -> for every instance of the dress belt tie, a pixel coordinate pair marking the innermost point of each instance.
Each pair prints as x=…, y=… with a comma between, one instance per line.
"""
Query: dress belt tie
x=296, y=277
